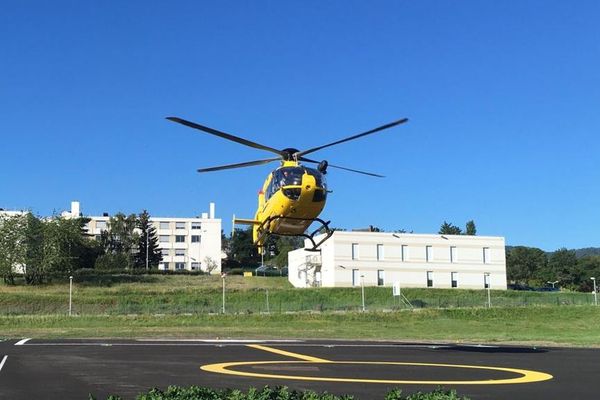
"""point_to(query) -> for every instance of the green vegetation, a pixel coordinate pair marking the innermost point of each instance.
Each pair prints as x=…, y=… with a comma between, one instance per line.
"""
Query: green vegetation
x=533, y=266
x=536, y=325
x=202, y=294
x=277, y=393
x=190, y=306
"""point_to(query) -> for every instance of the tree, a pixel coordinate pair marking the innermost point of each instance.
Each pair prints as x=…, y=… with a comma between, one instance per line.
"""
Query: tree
x=449, y=229
x=470, y=228
x=282, y=246
x=524, y=264
x=33, y=239
x=209, y=265
x=563, y=267
x=67, y=246
x=588, y=266
x=147, y=243
x=12, y=246
x=121, y=238
x=242, y=251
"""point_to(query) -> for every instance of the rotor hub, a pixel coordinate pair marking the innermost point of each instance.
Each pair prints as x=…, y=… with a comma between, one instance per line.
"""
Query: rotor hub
x=289, y=154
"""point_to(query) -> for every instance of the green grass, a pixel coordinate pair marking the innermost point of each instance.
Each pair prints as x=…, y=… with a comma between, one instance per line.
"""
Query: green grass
x=203, y=294
x=189, y=306
x=576, y=325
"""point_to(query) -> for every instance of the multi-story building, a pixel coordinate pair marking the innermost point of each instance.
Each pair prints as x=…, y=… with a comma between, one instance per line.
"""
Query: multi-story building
x=409, y=260
x=186, y=243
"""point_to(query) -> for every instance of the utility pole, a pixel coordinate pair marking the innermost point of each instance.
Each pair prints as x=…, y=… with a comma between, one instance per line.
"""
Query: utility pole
x=362, y=289
x=489, y=287
x=223, y=275
x=147, y=249
x=595, y=292
x=70, y=295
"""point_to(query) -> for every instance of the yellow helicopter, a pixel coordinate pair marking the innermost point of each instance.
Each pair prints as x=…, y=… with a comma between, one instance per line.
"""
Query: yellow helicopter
x=293, y=195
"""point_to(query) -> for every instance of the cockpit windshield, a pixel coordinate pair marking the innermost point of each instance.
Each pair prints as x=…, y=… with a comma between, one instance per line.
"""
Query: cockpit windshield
x=288, y=176
x=292, y=176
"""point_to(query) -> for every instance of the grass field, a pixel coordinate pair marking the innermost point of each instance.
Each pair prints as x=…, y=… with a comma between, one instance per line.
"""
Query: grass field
x=189, y=306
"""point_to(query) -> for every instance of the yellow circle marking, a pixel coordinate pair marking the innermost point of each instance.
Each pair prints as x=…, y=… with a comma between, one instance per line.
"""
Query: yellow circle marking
x=527, y=376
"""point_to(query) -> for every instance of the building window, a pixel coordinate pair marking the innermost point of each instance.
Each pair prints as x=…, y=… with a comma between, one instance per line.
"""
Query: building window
x=355, y=277
x=486, y=280
x=355, y=251
x=195, y=266
x=380, y=277
x=166, y=266
x=428, y=254
x=195, y=225
x=164, y=252
x=429, y=278
x=454, y=279
x=164, y=238
x=101, y=225
x=379, y=252
x=179, y=225
x=404, y=252
x=180, y=239
x=452, y=254
x=195, y=238
x=486, y=255
x=179, y=252
x=164, y=225
x=179, y=266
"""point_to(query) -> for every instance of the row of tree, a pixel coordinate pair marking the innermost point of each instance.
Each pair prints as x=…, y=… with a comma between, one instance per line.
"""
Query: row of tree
x=42, y=248
x=534, y=267
x=241, y=252
x=448, y=228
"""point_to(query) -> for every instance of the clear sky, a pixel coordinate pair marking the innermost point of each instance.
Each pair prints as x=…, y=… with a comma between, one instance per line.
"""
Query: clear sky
x=503, y=99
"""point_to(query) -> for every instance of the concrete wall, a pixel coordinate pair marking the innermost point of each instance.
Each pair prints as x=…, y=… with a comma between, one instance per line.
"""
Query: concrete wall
x=404, y=258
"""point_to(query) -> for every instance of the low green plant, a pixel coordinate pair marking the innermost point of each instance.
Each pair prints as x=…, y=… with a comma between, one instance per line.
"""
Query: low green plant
x=275, y=393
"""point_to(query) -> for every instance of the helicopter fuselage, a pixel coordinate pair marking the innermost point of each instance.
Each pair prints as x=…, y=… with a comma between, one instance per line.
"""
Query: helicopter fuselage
x=291, y=198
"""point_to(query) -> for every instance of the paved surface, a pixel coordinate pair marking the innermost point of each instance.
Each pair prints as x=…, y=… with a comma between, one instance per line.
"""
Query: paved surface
x=71, y=369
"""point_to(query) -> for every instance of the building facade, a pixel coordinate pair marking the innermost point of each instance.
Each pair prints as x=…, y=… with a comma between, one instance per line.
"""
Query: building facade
x=410, y=260
x=192, y=244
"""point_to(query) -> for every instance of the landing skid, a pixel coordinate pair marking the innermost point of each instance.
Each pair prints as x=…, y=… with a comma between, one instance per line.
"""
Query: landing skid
x=263, y=233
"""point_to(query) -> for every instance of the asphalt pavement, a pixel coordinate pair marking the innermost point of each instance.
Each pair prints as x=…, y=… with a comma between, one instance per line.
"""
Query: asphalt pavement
x=73, y=369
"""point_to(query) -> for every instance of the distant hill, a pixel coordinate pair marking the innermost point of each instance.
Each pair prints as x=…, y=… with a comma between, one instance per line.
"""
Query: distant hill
x=586, y=251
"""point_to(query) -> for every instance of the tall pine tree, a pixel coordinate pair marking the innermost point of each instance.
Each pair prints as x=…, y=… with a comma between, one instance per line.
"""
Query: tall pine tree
x=148, y=242
x=471, y=230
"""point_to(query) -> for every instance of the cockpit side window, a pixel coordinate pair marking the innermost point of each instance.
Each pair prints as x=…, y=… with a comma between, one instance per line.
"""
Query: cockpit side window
x=319, y=177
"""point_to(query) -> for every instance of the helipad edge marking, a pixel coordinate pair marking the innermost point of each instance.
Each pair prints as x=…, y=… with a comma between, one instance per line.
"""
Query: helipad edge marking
x=288, y=353
x=527, y=376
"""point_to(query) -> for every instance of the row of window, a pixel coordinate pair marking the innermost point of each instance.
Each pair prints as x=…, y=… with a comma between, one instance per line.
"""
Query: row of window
x=357, y=278
x=178, y=238
x=178, y=225
x=177, y=252
x=195, y=266
x=428, y=253
x=102, y=225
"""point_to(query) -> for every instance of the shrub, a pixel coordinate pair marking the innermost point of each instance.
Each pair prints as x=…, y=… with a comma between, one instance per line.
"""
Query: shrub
x=276, y=393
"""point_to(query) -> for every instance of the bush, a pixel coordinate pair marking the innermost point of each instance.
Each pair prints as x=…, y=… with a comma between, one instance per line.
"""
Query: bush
x=276, y=393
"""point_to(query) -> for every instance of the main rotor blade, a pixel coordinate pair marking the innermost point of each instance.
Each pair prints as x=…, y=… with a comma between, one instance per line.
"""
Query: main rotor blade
x=225, y=135
x=344, y=168
x=239, y=165
x=391, y=124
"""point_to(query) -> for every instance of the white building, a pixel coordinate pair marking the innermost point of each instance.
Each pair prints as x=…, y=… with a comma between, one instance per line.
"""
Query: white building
x=185, y=243
x=412, y=260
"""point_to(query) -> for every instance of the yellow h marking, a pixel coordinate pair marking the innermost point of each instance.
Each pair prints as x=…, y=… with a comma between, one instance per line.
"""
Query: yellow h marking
x=288, y=353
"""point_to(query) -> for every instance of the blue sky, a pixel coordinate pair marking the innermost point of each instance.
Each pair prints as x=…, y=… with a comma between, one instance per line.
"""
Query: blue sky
x=503, y=100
